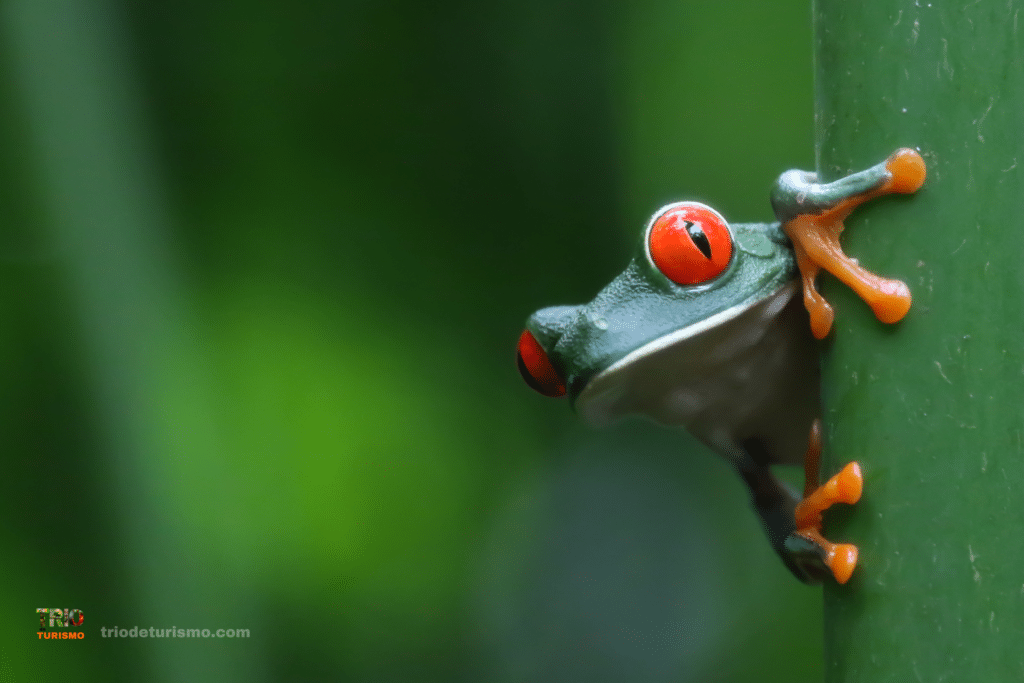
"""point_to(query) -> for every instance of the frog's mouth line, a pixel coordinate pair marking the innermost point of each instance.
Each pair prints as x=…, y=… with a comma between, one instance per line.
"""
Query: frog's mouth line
x=780, y=298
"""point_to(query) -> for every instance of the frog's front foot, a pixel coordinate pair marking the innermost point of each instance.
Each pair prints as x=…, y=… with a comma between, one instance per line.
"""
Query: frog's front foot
x=808, y=549
x=812, y=215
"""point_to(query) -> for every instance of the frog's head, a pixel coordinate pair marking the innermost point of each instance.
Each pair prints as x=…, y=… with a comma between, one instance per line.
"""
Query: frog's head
x=693, y=274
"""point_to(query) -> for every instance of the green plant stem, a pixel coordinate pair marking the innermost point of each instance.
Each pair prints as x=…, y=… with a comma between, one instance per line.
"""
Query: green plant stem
x=932, y=407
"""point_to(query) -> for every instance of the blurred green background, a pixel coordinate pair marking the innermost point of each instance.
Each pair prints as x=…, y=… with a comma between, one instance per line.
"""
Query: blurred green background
x=264, y=265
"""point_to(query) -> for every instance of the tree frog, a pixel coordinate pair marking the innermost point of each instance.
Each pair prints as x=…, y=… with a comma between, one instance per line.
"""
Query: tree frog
x=704, y=330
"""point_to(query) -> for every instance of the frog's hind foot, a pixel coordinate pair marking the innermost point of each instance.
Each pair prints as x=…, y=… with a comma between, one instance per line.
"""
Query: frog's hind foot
x=814, y=555
x=812, y=215
x=794, y=528
x=808, y=543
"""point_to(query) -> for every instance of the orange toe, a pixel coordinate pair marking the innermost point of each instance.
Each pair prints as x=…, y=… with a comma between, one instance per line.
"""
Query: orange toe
x=891, y=301
x=907, y=169
x=822, y=316
x=842, y=560
x=849, y=484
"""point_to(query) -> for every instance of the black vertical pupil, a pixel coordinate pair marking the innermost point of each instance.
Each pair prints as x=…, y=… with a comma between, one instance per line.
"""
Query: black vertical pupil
x=699, y=238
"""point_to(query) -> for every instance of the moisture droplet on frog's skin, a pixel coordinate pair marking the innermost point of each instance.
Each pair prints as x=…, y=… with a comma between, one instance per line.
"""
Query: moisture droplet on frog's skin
x=597, y=321
x=815, y=240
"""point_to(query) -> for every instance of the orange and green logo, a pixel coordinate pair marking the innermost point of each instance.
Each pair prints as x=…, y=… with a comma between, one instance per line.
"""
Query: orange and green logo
x=60, y=618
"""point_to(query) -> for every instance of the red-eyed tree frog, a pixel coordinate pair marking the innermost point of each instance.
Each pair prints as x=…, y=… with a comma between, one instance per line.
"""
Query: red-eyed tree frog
x=704, y=330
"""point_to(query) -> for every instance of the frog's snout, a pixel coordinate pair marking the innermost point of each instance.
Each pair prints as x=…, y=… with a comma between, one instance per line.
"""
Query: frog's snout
x=543, y=330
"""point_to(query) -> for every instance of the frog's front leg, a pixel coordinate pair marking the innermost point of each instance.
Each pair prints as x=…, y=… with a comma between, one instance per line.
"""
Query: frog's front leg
x=812, y=215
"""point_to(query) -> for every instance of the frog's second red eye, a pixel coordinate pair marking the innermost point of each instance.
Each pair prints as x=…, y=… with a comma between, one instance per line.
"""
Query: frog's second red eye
x=690, y=243
x=536, y=367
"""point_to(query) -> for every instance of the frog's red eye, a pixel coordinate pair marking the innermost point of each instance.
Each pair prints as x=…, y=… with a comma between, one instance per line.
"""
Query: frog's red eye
x=690, y=243
x=536, y=368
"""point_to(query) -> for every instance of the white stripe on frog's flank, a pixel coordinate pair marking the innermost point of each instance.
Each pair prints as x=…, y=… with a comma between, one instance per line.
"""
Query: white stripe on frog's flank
x=781, y=298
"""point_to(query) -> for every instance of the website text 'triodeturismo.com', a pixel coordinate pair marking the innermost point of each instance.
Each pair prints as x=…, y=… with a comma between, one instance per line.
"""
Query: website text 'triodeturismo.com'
x=172, y=632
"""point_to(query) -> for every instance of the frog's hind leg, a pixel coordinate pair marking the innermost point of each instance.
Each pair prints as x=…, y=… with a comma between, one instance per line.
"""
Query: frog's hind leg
x=806, y=545
x=812, y=215
x=775, y=504
x=794, y=526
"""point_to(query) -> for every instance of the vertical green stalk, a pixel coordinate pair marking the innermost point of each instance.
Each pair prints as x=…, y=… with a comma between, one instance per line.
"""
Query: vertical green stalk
x=932, y=407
